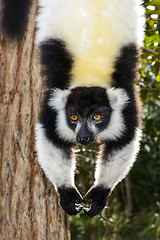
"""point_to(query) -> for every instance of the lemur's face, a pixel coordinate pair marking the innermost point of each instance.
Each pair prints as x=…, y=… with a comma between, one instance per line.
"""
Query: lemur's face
x=87, y=112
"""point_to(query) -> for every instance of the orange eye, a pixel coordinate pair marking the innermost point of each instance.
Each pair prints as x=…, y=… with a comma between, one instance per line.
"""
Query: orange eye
x=74, y=117
x=96, y=117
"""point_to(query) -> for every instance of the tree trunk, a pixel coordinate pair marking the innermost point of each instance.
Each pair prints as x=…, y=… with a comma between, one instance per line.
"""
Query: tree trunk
x=29, y=207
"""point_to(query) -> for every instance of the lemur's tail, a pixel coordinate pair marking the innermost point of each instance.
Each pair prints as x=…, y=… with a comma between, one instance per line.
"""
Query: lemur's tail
x=14, y=17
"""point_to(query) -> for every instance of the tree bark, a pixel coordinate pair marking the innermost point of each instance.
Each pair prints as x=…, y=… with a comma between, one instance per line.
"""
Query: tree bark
x=29, y=207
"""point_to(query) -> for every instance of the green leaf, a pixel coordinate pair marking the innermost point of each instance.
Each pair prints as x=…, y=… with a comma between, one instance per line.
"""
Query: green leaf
x=154, y=3
x=158, y=78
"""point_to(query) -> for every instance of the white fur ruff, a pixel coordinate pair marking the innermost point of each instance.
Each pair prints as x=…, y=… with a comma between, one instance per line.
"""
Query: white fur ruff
x=58, y=103
x=118, y=99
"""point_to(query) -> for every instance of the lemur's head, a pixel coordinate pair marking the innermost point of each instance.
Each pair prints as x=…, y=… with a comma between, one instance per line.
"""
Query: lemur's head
x=88, y=113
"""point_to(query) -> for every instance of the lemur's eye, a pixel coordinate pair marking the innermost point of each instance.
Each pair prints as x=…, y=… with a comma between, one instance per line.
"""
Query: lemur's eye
x=96, y=117
x=74, y=117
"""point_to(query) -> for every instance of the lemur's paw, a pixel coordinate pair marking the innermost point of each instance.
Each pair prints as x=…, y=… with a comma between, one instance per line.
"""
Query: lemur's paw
x=98, y=197
x=69, y=200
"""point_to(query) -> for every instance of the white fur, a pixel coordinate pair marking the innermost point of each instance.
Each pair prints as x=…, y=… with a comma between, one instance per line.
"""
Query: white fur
x=94, y=32
x=57, y=168
x=118, y=99
x=110, y=171
x=58, y=102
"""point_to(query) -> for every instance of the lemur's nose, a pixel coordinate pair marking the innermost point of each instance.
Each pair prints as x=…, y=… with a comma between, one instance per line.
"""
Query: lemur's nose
x=84, y=140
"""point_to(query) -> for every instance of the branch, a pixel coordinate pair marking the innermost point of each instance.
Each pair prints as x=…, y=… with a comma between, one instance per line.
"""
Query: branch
x=150, y=50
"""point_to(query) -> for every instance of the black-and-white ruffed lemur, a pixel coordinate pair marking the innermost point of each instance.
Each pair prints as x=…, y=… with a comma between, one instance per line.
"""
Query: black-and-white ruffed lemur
x=89, y=54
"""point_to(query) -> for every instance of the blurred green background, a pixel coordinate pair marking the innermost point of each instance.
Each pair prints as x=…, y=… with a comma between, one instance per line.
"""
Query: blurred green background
x=133, y=209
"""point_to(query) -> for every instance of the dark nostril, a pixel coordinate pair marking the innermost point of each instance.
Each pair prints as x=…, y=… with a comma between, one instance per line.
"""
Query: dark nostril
x=83, y=140
x=87, y=139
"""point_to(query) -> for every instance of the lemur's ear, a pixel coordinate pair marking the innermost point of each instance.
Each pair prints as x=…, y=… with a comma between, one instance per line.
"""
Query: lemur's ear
x=118, y=97
x=58, y=99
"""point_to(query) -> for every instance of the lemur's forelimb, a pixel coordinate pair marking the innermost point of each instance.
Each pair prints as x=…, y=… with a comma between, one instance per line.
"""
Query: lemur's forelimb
x=113, y=164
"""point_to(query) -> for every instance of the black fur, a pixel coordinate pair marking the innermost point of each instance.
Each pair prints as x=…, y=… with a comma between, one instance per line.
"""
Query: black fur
x=14, y=17
x=69, y=197
x=57, y=63
x=88, y=97
x=125, y=66
x=98, y=197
